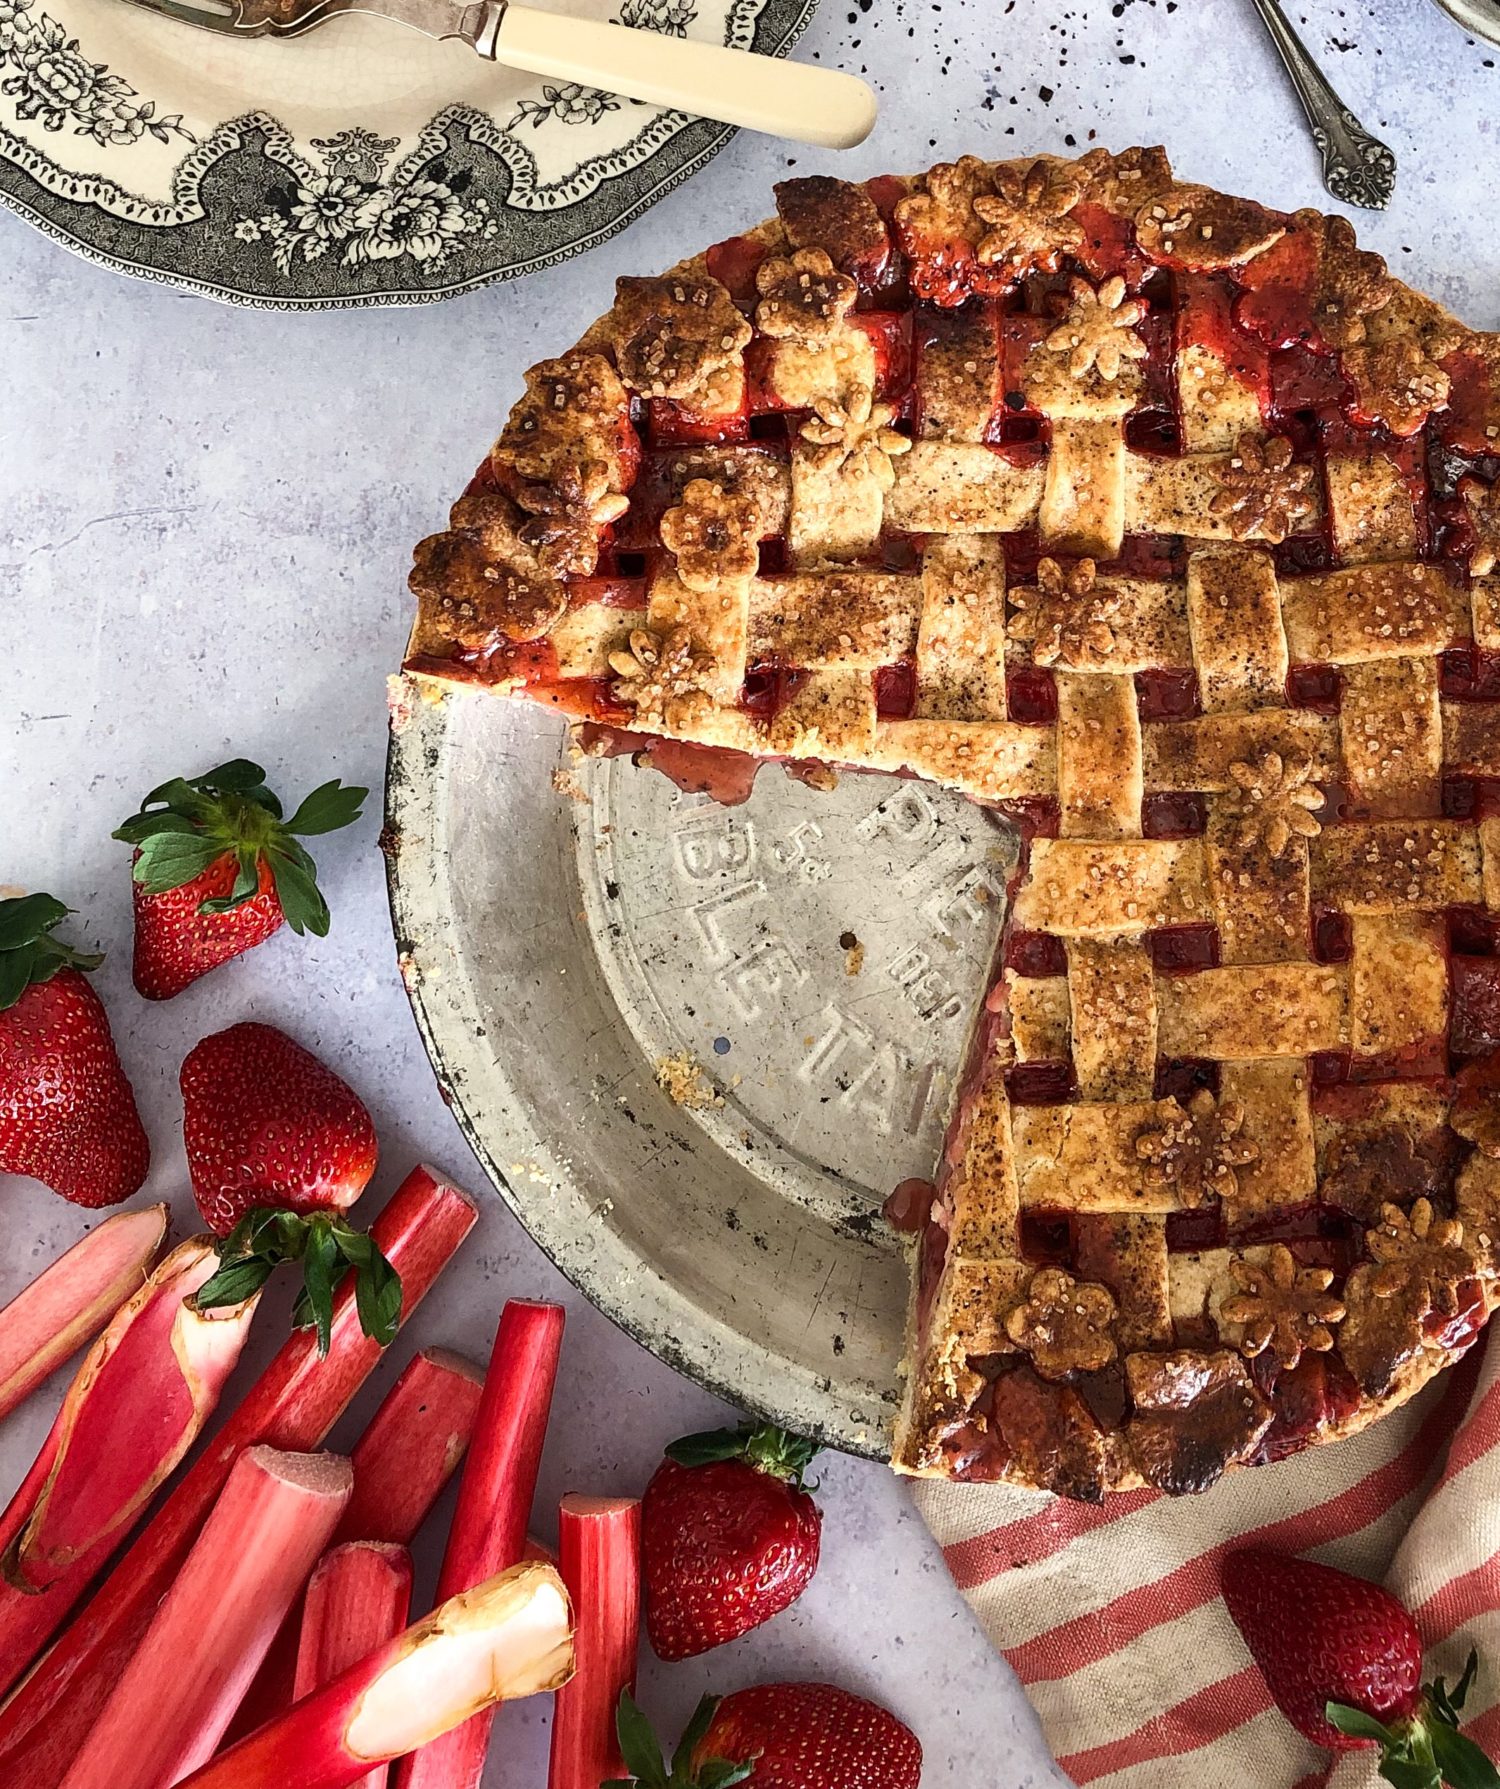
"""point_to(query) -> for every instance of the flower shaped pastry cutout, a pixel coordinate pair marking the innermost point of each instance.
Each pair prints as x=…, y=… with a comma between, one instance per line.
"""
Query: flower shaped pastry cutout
x=1482, y=506
x=1199, y=1151
x=1029, y=227
x=1066, y=616
x=715, y=534
x=1353, y=283
x=1418, y=1254
x=1064, y=1324
x=1395, y=383
x=1281, y=1307
x=671, y=335
x=857, y=437
x=575, y=409
x=942, y=211
x=806, y=297
x=1098, y=331
x=1273, y=800
x=565, y=517
x=1262, y=494
x=662, y=675
x=480, y=600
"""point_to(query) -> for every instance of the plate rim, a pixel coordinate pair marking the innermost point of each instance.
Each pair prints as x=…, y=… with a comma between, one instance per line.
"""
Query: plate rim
x=88, y=249
x=406, y=748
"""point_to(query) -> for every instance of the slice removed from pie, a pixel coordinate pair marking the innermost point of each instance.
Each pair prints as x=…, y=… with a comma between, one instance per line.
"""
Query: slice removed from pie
x=1168, y=524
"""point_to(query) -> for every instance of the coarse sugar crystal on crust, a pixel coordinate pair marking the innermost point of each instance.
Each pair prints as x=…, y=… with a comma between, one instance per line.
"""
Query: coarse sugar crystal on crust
x=1169, y=524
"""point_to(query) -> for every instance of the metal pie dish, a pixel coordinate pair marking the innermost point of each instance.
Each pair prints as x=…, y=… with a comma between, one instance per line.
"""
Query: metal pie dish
x=571, y=930
x=1482, y=17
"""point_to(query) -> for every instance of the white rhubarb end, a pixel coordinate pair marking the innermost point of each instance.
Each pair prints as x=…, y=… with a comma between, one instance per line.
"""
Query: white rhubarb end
x=511, y=1636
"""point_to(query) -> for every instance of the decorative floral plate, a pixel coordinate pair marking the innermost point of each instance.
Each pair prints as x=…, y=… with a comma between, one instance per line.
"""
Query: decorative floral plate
x=363, y=164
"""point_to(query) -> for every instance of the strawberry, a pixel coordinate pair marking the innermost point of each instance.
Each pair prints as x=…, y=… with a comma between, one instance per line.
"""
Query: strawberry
x=67, y=1113
x=278, y=1148
x=778, y=1736
x=217, y=870
x=1343, y=1661
x=729, y=1537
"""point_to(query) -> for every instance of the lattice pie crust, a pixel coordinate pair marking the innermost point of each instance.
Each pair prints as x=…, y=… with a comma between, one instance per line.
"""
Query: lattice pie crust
x=1169, y=524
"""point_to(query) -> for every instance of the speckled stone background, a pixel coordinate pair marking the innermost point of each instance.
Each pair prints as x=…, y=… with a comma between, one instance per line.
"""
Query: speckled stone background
x=207, y=518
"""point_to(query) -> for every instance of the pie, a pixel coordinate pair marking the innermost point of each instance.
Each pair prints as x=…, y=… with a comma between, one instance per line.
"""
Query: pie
x=1169, y=525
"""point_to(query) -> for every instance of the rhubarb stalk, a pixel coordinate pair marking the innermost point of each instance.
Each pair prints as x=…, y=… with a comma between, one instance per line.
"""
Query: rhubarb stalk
x=138, y=1401
x=292, y=1405
x=494, y=1502
x=72, y=1300
x=508, y=1637
x=168, y=1708
x=599, y=1541
x=358, y=1598
x=403, y=1460
x=412, y=1447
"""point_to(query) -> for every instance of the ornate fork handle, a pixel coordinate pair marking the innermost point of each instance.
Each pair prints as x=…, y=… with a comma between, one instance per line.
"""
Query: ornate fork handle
x=1357, y=168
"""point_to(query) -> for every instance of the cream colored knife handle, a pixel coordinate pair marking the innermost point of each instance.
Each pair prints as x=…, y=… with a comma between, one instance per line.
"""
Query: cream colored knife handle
x=785, y=99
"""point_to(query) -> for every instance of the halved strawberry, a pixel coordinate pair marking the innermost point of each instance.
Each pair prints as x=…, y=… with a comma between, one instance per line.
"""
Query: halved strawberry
x=218, y=869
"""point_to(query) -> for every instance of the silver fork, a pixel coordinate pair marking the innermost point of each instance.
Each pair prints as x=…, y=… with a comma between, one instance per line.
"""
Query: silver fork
x=786, y=99
x=1357, y=168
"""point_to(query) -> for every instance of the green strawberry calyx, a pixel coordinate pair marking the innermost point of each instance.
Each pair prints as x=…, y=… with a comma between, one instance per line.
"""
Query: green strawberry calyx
x=327, y=1248
x=761, y=1445
x=186, y=825
x=648, y=1769
x=28, y=952
x=1426, y=1749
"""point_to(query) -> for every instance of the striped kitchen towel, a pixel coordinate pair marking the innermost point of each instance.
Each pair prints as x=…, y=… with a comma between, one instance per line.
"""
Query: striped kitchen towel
x=1111, y=1617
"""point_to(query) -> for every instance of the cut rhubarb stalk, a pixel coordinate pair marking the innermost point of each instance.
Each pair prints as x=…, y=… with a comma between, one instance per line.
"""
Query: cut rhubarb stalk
x=168, y=1709
x=403, y=1460
x=599, y=1540
x=358, y=1598
x=494, y=1502
x=508, y=1637
x=292, y=1405
x=71, y=1301
x=412, y=1447
x=137, y=1403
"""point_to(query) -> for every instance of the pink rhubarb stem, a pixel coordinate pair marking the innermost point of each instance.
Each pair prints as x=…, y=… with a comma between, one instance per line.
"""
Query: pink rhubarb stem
x=412, y=1447
x=292, y=1405
x=73, y=1299
x=358, y=1598
x=599, y=1542
x=137, y=1403
x=494, y=1503
x=402, y=1462
x=508, y=1637
x=169, y=1707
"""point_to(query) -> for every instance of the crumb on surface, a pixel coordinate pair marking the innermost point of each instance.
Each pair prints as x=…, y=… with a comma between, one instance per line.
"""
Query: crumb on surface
x=565, y=782
x=854, y=953
x=682, y=1079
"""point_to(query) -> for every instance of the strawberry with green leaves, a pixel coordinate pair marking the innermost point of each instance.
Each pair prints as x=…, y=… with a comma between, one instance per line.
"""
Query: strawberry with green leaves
x=729, y=1536
x=218, y=869
x=67, y=1113
x=775, y=1736
x=1343, y=1662
x=278, y=1148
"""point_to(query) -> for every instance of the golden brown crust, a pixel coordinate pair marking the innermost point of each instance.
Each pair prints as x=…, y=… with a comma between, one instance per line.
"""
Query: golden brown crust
x=748, y=463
